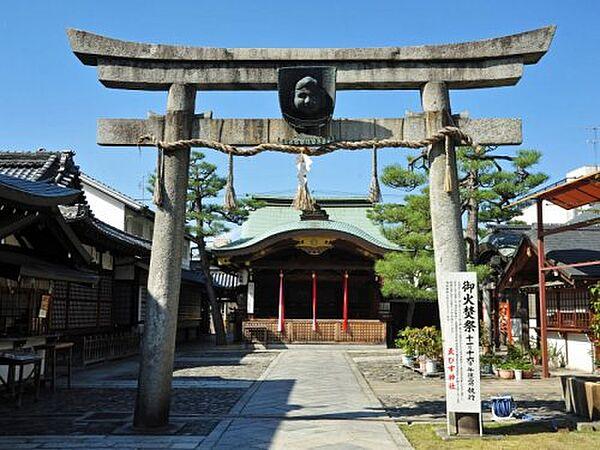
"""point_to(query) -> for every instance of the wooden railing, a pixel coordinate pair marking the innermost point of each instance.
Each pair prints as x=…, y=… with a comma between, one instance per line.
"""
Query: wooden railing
x=569, y=309
x=569, y=320
x=104, y=347
x=300, y=331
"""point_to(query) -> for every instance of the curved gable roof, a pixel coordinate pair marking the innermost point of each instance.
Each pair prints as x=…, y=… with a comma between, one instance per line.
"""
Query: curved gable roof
x=245, y=245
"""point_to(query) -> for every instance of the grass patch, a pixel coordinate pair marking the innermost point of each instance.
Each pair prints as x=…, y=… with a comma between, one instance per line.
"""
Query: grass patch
x=518, y=436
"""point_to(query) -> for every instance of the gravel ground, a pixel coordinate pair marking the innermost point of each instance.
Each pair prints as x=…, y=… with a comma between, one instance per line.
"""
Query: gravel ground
x=409, y=397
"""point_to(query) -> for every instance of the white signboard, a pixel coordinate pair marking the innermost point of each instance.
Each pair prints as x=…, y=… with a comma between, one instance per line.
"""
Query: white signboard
x=250, y=299
x=460, y=329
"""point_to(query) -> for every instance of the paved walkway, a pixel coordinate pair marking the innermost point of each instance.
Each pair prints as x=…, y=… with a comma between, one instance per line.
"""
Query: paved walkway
x=295, y=398
x=310, y=397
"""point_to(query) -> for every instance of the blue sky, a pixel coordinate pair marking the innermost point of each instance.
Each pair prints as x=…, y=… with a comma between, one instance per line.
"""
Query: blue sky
x=49, y=99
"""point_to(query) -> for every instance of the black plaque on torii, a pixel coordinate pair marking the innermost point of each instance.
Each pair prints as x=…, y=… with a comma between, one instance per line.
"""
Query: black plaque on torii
x=307, y=96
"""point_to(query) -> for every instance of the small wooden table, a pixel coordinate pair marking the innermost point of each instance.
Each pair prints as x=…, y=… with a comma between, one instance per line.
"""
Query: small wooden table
x=19, y=359
x=52, y=351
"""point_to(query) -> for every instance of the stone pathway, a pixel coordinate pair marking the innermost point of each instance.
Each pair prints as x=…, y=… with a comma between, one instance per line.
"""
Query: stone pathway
x=298, y=398
x=310, y=397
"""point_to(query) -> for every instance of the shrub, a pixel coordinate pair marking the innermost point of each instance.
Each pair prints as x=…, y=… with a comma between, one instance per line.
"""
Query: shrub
x=426, y=341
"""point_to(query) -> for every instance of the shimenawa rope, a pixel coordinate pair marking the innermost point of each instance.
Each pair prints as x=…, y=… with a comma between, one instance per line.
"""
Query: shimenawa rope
x=446, y=134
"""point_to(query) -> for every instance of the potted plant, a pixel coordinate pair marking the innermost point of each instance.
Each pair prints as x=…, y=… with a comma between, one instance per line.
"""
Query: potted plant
x=487, y=363
x=528, y=370
x=505, y=370
x=432, y=341
x=405, y=342
x=517, y=369
x=535, y=354
x=523, y=369
x=555, y=358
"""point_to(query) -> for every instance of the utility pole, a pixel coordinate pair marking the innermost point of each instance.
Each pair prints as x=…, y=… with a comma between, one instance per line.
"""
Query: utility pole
x=594, y=141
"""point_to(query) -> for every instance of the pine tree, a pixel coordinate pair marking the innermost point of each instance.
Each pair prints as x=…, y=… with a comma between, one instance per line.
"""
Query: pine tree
x=409, y=273
x=489, y=182
x=206, y=219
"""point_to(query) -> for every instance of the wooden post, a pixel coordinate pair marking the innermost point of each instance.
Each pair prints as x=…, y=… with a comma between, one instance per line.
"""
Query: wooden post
x=164, y=278
x=446, y=226
x=541, y=253
x=345, y=311
x=281, y=314
x=314, y=301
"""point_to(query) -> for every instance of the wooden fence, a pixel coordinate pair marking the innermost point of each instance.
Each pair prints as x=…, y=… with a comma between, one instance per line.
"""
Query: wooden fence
x=328, y=330
x=104, y=347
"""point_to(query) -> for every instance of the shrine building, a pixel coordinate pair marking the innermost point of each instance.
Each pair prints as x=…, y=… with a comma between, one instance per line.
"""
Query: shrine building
x=309, y=277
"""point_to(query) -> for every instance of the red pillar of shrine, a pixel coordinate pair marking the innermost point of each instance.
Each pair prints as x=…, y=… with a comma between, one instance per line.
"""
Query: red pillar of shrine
x=314, y=301
x=281, y=318
x=345, y=322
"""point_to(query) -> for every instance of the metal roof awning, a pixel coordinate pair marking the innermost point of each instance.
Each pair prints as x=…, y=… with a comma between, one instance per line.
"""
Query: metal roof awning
x=27, y=266
x=570, y=194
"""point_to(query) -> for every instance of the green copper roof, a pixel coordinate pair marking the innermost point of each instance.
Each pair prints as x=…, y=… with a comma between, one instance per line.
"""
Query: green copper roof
x=277, y=216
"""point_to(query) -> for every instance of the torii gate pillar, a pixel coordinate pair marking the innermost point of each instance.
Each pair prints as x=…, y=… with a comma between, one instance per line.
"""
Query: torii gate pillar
x=446, y=226
x=164, y=277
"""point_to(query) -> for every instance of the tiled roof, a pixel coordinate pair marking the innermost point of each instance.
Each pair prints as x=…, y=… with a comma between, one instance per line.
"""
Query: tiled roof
x=568, y=247
x=59, y=168
x=78, y=214
x=325, y=225
x=36, y=191
x=572, y=247
x=53, y=167
x=345, y=214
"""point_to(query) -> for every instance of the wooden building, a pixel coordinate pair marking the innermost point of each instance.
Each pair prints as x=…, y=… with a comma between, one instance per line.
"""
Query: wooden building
x=310, y=277
x=567, y=290
x=90, y=275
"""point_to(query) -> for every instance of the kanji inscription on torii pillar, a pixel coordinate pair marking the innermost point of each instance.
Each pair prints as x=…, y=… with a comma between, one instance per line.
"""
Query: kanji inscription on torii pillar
x=182, y=71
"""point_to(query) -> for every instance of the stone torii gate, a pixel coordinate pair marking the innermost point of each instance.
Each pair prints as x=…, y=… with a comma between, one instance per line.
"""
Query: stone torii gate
x=182, y=71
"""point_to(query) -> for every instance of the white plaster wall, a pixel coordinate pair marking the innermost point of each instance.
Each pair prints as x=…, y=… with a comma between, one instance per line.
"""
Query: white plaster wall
x=552, y=214
x=576, y=350
x=533, y=334
x=105, y=208
x=579, y=350
x=581, y=171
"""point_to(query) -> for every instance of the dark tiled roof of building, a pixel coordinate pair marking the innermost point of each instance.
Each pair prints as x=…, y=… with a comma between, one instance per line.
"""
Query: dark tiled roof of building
x=193, y=276
x=59, y=168
x=53, y=167
x=81, y=215
x=36, y=193
x=573, y=246
x=568, y=247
